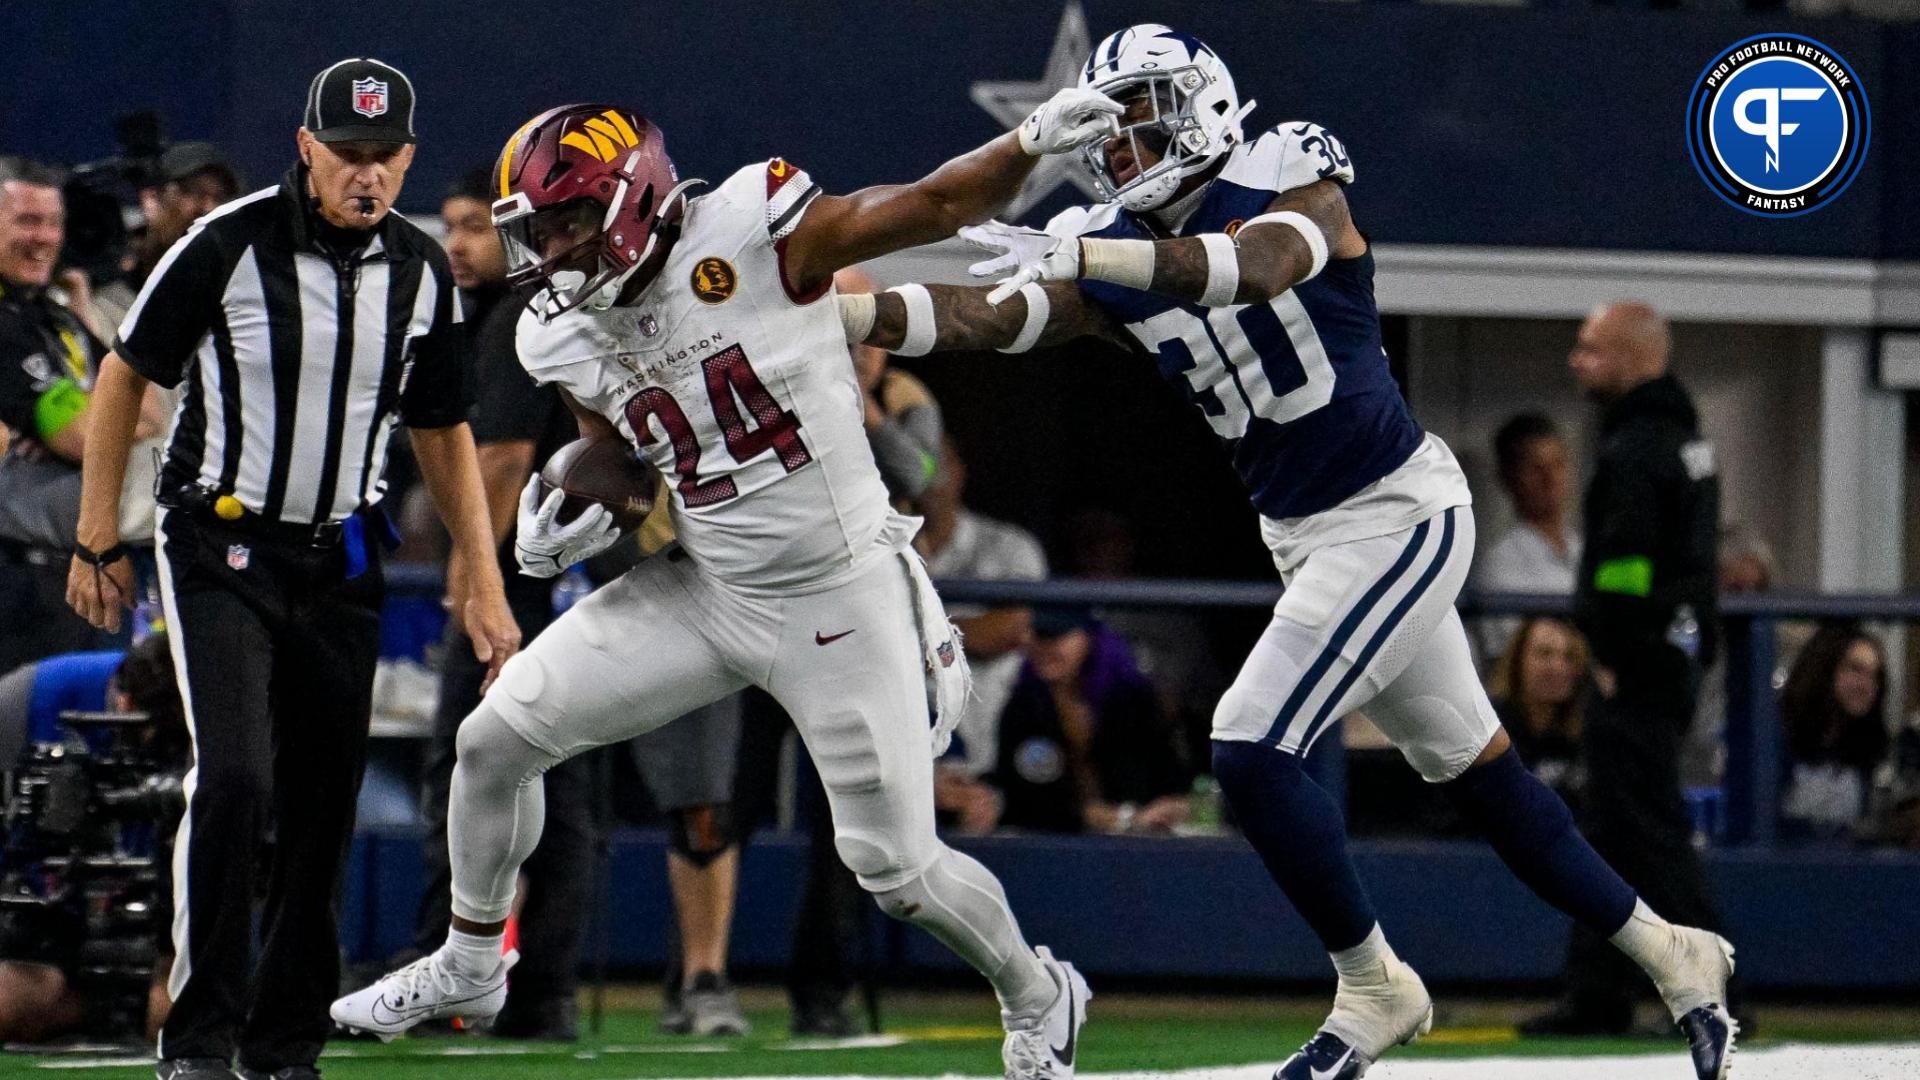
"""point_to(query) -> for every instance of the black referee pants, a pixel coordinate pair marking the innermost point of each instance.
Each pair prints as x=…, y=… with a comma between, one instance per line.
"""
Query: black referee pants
x=1636, y=818
x=275, y=654
x=560, y=871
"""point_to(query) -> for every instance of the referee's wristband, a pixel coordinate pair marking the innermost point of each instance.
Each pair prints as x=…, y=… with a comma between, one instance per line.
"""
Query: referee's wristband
x=99, y=558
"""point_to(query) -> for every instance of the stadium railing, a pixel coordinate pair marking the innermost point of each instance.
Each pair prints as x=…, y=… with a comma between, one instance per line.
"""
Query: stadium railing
x=1754, y=734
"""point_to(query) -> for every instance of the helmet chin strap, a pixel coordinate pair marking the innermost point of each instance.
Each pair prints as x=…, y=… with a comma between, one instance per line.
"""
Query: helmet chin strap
x=609, y=294
x=1175, y=214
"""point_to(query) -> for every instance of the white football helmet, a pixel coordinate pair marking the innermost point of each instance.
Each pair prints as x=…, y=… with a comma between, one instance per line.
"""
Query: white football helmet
x=1196, y=111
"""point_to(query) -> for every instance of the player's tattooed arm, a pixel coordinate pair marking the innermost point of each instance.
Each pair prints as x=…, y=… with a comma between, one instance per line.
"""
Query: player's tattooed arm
x=1273, y=257
x=964, y=321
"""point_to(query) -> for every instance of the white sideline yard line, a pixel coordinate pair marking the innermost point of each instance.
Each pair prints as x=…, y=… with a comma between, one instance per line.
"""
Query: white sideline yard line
x=1860, y=1062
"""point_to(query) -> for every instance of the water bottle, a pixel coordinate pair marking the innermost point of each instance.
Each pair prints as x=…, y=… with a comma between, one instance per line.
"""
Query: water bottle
x=1683, y=632
x=573, y=587
x=1205, y=808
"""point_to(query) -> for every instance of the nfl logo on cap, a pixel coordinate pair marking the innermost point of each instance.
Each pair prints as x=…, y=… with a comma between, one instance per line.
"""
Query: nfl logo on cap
x=369, y=97
x=238, y=556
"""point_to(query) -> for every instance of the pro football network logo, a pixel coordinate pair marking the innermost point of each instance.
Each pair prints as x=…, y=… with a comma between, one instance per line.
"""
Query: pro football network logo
x=369, y=97
x=1778, y=125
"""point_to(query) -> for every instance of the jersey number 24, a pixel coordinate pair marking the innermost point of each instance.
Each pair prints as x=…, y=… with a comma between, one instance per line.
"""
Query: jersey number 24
x=731, y=381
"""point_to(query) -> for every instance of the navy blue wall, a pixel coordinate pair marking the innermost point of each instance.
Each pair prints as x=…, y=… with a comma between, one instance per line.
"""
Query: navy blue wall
x=1538, y=128
x=1205, y=909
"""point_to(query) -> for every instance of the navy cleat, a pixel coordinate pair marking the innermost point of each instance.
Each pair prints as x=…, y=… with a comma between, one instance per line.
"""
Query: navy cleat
x=1325, y=1057
x=1710, y=1031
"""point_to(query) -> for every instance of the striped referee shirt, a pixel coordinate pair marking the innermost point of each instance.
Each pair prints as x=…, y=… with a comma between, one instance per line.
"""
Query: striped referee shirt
x=297, y=359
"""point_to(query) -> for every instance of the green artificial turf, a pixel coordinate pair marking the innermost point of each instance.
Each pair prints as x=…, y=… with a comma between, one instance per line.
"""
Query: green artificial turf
x=943, y=1035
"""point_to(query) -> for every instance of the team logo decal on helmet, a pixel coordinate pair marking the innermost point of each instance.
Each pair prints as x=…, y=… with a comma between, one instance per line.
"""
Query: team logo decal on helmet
x=586, y=194
x=1192, y=112
x=713, y=280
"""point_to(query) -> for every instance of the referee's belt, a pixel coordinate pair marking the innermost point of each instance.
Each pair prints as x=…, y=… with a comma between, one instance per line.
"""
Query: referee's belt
x=227, y=512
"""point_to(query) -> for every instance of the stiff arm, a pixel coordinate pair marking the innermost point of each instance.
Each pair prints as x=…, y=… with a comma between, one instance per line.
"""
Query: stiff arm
x=964, y=321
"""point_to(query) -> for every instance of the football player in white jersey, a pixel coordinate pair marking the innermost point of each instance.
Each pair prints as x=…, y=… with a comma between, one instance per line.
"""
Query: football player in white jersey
x=704, y=331
x=1239, y=267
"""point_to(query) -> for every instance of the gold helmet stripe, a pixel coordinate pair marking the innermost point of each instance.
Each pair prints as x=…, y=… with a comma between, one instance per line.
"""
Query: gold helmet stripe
x=506, y=159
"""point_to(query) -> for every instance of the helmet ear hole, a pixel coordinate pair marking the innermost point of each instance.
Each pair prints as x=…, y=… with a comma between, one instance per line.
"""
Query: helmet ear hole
x=558, y=170
x=643, y=207
x=1220, y=108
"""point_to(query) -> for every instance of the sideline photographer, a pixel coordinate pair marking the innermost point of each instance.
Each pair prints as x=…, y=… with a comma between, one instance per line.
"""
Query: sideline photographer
x=83, y=941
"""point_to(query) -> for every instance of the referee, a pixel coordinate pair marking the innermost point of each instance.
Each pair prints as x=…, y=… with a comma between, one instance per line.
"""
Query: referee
x=305, y=321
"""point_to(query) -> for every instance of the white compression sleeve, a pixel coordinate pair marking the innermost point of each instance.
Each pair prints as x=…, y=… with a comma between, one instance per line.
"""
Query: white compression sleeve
x=1302, y=224
x=920, y=330
x=961, y=903
x=1038, y=309
x=1223, y=269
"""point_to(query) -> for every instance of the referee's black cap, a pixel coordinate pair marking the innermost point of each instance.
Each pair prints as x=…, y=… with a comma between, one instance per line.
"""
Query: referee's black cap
x=361, y=100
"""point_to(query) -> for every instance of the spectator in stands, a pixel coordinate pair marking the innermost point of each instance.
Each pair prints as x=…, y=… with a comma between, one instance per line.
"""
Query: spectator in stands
x=959, y=543
x=1746, y=566
x=903, y=421
x=1084, y=745
x=1540, y=551
x=1539, y=687
x=191, y=180
x=48, y=358
x=1834, y=709
x=1173, y=647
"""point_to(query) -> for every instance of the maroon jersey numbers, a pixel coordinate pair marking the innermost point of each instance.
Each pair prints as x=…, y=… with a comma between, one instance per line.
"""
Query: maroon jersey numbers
x=731, y=382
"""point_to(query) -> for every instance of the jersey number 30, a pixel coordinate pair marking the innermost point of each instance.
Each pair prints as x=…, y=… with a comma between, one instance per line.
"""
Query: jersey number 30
x=1263, y=360
x=730, y=382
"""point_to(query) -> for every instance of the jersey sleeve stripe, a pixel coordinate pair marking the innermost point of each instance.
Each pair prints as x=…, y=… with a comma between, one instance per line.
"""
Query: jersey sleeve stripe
x=789, y=219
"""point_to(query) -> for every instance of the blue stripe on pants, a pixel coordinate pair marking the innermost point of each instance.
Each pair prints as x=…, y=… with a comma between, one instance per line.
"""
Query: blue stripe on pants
x=1345, y=630
x=1386, y=629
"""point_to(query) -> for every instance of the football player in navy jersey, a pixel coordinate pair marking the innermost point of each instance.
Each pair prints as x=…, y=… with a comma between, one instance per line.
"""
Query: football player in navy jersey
x=1237, y=265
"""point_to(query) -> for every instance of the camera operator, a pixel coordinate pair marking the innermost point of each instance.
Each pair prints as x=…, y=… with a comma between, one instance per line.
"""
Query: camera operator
x=46, y=990
x=187, y=181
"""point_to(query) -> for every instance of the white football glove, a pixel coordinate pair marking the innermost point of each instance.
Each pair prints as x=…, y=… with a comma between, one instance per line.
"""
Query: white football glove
x=1070, y=120
x=1011, y=245
x=545, y=549
x=1059, y=262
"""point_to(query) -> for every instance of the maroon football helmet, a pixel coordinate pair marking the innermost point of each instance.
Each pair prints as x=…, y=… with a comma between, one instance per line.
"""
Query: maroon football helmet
x=586, y=192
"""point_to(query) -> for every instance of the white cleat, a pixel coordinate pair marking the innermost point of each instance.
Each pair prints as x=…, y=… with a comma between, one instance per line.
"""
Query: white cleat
x=1693, y=970
x=1044, y=1047
x=1368, y=1019
x=423, y=990
x=1691, y=974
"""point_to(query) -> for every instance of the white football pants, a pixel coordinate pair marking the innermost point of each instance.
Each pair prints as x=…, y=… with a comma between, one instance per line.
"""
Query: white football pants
x=1369, y=625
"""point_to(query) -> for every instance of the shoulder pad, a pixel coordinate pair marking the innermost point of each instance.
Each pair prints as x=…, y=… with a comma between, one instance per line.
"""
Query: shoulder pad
x=1291, y=155
x=789, y=191
x=545, y=346
x=777, y=189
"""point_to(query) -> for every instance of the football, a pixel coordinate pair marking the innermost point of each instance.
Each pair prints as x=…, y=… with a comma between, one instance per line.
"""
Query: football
x=602, y=470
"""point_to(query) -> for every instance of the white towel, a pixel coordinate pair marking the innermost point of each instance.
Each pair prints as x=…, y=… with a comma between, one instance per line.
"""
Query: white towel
x=949, y=680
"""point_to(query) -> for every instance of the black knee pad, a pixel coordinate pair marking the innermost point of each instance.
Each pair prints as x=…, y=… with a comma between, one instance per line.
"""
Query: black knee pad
x=701, y=834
